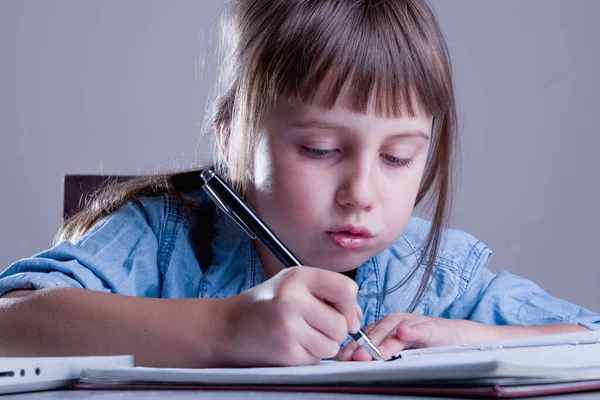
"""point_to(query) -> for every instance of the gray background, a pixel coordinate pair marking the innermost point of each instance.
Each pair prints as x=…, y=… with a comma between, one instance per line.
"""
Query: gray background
x=114, y=87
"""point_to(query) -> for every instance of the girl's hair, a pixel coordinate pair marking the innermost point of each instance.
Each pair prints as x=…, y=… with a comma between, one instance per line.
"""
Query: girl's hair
x=385, y=54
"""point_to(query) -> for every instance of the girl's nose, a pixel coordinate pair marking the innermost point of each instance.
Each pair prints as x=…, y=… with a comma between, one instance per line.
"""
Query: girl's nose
x=358, y=189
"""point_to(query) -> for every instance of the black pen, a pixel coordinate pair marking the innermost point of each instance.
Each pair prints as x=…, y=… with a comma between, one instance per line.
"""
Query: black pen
x=233, y=205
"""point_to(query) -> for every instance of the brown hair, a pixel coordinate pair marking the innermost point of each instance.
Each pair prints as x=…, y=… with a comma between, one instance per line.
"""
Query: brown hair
x=389, y=54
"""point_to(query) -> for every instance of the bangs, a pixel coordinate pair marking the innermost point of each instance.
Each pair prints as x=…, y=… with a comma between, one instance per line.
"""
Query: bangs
x=369, y=56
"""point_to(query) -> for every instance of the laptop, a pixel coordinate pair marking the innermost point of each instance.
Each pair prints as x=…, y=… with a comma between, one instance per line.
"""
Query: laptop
x=28, y=374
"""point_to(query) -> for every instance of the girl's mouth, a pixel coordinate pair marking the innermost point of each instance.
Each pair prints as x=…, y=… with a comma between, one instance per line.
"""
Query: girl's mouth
x=347, y=240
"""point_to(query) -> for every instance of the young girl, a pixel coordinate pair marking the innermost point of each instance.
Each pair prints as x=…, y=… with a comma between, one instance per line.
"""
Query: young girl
x=334, y=120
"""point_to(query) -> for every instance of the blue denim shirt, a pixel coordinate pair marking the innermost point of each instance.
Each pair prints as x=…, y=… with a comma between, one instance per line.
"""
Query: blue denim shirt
x=144, y=249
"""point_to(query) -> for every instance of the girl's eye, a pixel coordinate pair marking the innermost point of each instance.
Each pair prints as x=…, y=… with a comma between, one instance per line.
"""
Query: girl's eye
x=319, y=153
x=397, y=162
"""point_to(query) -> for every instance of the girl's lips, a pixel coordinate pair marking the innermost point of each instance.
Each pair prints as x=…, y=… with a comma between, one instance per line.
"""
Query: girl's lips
x=347, y=240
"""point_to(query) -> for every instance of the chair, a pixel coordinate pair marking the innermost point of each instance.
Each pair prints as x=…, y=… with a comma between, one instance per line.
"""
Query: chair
x=76, y=187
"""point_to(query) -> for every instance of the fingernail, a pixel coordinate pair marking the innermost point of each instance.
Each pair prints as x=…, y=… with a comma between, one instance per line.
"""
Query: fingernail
x=355, y=325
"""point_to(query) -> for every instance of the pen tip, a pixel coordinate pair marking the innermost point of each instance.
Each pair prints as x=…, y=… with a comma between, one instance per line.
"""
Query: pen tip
x=372, y=350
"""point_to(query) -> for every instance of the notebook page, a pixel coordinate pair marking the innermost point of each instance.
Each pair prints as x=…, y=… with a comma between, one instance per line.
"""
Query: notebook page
x=524, y=362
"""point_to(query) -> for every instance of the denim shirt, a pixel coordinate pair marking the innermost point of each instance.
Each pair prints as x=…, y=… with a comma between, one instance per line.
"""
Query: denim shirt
x=145, y=249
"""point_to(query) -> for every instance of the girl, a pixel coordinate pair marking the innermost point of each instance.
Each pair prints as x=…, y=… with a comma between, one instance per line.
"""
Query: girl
x=334, y=120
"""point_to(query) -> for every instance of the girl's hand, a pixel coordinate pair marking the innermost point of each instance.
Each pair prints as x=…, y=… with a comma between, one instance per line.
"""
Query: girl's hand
x=285, y=320
x=400, y=331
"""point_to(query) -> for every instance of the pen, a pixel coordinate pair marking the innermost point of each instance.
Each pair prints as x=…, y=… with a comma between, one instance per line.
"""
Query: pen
x=233, y=205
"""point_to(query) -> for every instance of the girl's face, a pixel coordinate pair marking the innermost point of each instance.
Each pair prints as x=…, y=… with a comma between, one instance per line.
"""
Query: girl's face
x=337, y=187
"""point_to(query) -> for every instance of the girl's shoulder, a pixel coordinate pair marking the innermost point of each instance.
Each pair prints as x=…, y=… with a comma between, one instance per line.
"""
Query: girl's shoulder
x=167, y=218
x=158, y=210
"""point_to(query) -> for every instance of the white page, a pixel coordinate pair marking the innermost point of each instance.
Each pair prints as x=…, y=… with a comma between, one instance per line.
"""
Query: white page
x=551, y=361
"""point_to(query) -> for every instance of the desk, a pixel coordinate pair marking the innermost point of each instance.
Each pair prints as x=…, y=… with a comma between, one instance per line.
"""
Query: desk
x=193, y=394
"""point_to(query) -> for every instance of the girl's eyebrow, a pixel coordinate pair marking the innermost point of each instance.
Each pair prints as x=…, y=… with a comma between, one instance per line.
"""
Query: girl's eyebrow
x=320, y=124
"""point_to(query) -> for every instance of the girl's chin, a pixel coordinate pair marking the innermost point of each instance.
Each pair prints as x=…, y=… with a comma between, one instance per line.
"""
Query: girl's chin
x=339, y=263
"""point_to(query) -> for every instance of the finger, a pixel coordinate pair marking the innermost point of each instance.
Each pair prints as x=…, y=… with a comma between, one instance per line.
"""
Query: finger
x=386, y=325
x=336, y=289
x=359, y=312
x=298, y=356
x=423, y=333
x=308, y=357
x=361, y=355
x=326, y=319
x=392, y=345
x=376, y=332
x=318, y=344
x=348, y=351
x=337, y=356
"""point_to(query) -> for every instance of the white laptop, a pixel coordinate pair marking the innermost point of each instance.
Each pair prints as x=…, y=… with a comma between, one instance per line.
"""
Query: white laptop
x=28, y=374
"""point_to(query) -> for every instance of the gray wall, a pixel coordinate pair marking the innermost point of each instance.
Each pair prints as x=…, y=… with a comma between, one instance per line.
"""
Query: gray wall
x=110, y=87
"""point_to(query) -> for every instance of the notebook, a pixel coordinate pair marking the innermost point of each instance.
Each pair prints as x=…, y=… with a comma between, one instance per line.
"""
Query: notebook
x=532, y=366
x=27, y=374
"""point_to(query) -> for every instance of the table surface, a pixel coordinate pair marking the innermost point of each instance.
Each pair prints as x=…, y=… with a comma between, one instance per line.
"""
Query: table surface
x=245, y=395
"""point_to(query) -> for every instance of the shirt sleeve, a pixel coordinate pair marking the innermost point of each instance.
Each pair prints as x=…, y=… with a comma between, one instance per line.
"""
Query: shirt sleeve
x=506, y=299
x=119, y=254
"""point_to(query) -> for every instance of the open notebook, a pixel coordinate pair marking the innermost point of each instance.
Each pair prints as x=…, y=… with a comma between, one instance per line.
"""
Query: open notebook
x=533, y=366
